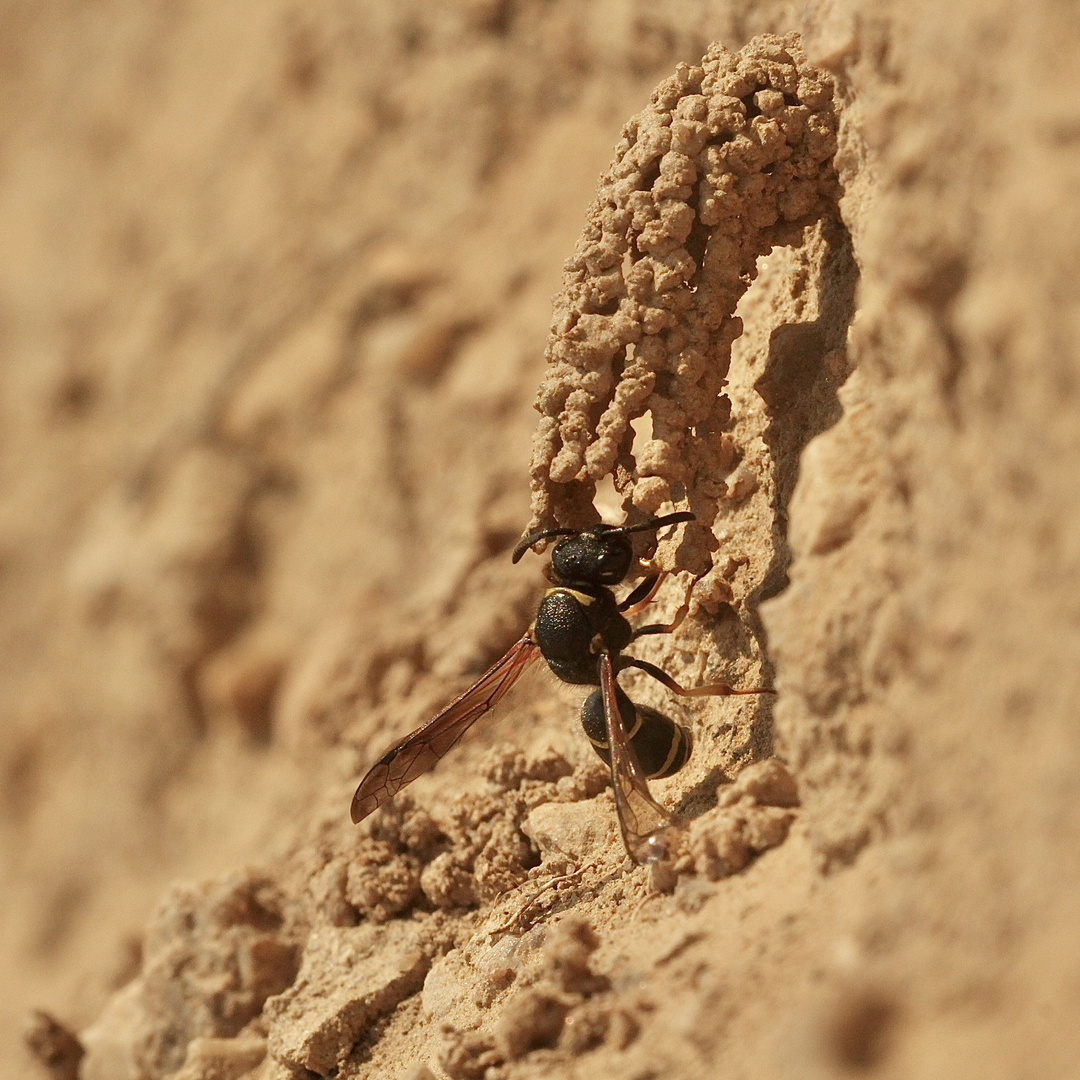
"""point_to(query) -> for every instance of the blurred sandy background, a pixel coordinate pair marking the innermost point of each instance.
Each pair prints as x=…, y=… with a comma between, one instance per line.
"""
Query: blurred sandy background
x=274, y=293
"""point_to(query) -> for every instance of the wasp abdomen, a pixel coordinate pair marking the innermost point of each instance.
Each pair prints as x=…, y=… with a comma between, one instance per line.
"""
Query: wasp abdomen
x=662, y=747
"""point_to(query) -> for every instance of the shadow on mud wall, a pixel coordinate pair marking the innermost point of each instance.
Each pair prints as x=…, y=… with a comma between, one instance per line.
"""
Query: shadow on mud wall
x=807, y=363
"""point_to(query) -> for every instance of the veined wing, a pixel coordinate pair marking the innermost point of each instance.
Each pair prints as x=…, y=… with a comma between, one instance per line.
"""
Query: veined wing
x=418, y=751
x=645, y=824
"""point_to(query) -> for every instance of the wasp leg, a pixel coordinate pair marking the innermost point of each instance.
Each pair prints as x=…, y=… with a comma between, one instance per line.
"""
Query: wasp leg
x=720, y=689
x=667, y=628
x=642, y=593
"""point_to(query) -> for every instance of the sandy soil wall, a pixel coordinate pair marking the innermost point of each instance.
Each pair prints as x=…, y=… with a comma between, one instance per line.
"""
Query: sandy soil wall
x=276, y=289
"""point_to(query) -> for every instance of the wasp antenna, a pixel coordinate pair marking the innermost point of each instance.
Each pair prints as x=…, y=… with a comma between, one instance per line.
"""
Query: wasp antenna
x=527, y=542
x=657, y=523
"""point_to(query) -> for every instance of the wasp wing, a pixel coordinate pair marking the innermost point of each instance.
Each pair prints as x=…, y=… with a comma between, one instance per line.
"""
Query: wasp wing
x=420, y=750
x=645, y=824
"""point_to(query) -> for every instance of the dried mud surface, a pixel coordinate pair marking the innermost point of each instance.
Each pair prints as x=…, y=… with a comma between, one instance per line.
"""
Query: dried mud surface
x=273, y=310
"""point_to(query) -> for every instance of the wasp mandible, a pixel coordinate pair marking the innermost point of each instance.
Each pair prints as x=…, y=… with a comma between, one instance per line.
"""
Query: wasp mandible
x=581, y=630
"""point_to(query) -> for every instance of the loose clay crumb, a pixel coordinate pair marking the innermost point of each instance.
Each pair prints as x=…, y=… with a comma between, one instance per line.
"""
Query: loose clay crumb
x=57, y=1048
x=752, y=815
x=563, y=1005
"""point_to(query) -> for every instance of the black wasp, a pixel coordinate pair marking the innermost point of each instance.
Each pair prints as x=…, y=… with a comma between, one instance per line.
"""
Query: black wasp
x=581, y=631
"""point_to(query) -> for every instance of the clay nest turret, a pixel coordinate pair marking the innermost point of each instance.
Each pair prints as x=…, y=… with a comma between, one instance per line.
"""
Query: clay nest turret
x=732, y=157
